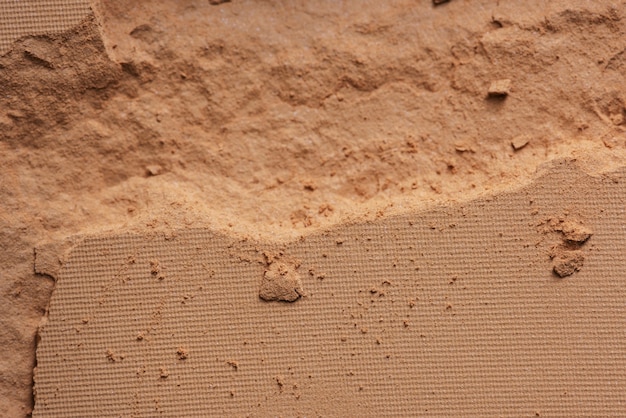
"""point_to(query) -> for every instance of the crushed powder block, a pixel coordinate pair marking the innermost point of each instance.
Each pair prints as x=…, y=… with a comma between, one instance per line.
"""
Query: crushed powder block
x=182, y=353
x=281, y=282
x=462, y=147
x=575, y=232
x=499, y=88
x=567, y=263
x=154, y=170
x=520, y=142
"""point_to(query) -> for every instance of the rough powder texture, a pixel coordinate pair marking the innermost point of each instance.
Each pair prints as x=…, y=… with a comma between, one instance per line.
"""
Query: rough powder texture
x=271, y=121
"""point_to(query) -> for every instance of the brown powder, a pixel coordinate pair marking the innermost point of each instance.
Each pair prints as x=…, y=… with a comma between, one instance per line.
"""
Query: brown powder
x=269, y=122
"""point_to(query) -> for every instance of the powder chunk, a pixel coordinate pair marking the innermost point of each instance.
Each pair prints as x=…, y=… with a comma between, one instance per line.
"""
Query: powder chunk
x=520, y=142
x=499, y=88
x=281, y=282
x=567, y=263
x=575, y=232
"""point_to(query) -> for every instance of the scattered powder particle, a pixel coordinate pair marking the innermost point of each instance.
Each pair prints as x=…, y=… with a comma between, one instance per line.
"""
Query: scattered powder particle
x=155, y=268
x=309, y=185
x=164, y=373
x=232, y=363
x=281, y=282
x=154, y=170
x=520, y=142
x=325, y=209
x=463, y=147
x=110, y=355
x=182, y=353
x=567, y=263
x=499, y=88
x=280, y=381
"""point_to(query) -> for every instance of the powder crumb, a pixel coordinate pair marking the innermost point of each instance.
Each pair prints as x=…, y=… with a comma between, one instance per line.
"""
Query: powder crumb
x=499, y=88
x=281, y=282
x=155, y=268
x=520, y=142
x=110, y=355
x=232, y=363
x=462, y=147
x=163, y=373
x=182, y=353
x=154, y=170
x=309, y=185
x=280, y=381
x=574, y=231
x=566, y=263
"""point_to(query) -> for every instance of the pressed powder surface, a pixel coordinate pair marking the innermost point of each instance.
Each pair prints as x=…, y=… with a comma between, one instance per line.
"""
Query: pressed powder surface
x=272, y=121
x=454, y=311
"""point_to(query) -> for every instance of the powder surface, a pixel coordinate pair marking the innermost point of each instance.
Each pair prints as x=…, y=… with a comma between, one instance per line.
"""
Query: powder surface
x=451, y=311
x=278, y=121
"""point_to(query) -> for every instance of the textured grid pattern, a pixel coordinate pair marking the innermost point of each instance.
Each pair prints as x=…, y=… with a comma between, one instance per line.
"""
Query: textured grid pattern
x=452, y=312
x=34, y=17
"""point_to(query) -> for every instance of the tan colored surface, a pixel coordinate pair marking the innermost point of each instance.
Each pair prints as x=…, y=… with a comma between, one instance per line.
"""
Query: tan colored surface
x=450, y=312
x=37, y=17
x=271, y=120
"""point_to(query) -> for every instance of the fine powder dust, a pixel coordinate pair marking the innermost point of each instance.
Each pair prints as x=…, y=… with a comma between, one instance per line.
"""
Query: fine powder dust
x=299, y=127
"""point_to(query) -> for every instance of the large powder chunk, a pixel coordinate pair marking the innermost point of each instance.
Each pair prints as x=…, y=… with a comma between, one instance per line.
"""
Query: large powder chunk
x=281, y=282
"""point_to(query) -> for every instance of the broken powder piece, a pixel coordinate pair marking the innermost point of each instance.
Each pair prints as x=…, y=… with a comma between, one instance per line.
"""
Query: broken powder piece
x=520, y=142
x=164, y=373
x=436, y=2
x=182, y=353
x=154, y=170
x=281, y=282
x=462, y=147
x=155, y=267
x=500, y=88
x=575, y=232
x=567, y=263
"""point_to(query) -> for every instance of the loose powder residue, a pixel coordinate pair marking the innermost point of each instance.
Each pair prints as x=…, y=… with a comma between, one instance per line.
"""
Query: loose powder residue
x=276, y=121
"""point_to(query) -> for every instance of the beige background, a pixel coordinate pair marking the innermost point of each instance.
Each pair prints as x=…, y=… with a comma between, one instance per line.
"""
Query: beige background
x=450, y=312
